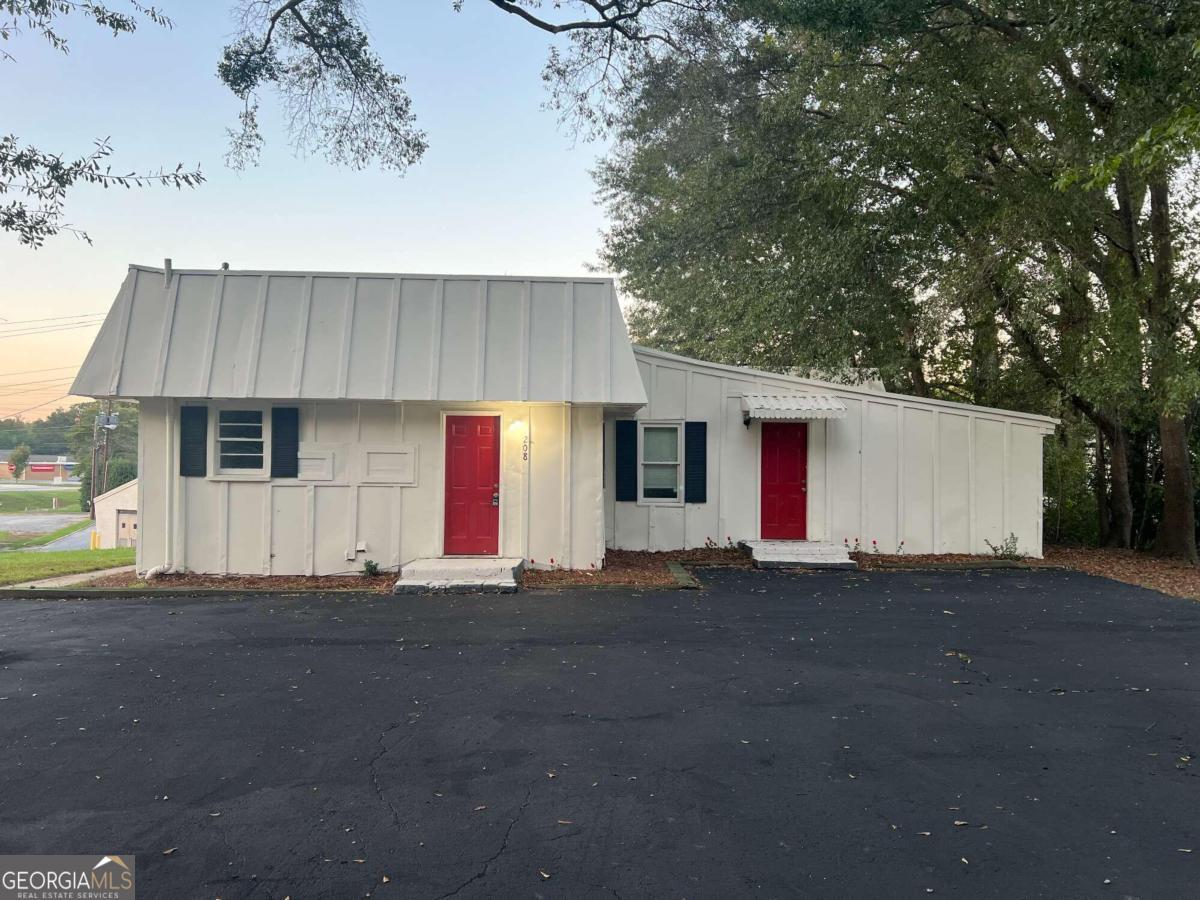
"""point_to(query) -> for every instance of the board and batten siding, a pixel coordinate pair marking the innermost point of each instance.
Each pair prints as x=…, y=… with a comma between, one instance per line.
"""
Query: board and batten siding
x=941, y=477
x=550, y=498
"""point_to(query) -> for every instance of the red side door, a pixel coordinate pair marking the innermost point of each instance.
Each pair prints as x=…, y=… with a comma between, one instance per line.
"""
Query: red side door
x=784, y=481
x=472, y=485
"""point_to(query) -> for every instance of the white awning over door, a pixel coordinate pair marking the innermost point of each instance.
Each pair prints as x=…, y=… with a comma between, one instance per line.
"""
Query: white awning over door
x=791, y=407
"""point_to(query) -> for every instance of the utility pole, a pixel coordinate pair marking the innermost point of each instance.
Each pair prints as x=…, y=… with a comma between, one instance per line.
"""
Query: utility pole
x=105, y=422
x=92, y=479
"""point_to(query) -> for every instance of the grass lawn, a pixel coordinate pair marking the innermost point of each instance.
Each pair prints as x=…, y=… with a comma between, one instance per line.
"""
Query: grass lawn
x=15, y=540
x=39, y=501
x=17, y=567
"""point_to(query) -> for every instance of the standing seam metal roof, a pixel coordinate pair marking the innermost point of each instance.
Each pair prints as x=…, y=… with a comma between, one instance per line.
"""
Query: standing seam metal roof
x=313, y=335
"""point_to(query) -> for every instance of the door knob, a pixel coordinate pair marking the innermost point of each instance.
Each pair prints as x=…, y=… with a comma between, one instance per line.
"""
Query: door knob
x=496, y=499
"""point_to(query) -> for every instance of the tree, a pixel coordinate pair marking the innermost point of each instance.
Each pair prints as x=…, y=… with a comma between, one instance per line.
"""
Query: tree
x=339, y=98
x=18, y=459
x=122, y=443
x=36, y=180
x=919, y=186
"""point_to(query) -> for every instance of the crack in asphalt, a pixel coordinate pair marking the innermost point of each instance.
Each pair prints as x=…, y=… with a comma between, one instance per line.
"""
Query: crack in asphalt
x=372, y=762
x=482, y=873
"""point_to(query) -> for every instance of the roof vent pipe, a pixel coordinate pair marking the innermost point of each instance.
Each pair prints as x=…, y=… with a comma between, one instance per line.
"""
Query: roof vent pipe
x=167, y=272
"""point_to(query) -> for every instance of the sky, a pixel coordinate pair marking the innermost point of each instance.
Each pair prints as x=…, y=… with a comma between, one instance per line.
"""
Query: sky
x=502, y=189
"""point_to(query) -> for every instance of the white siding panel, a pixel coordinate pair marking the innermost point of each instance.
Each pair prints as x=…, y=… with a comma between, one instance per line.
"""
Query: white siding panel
x=282, y=321
x=589, y=344
x=917, y=481
x=845, y=476
x=739, y=463
x=291, y=530
x=201, y=522
x=587, y=492
x=881, y=445
x=421, y=513
x=1025, y=488
x=371, y=339
x=330, y=536
x=379, y=423
x=989, y=484
x=666, y=527
x=547, y=490
x=954, y=483
x=702, y=519
x=548, y=353
x=818, y=514
x=156, y=482
x=505, y=340
x=244, y=542
x=376, y=525
x=670, y=394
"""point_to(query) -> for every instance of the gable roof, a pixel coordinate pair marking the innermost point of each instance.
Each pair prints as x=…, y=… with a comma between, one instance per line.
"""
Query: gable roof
x=191, y=333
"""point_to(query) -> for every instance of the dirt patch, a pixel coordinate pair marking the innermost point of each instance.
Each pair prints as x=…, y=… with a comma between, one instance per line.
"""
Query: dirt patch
x=635, y=568
x=380, y=584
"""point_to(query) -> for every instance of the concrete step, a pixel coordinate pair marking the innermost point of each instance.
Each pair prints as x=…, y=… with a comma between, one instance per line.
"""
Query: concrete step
x=459, y=575
x=799, y=555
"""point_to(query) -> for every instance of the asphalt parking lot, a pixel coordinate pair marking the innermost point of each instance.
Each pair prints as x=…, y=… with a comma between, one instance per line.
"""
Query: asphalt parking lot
x=1004, y=734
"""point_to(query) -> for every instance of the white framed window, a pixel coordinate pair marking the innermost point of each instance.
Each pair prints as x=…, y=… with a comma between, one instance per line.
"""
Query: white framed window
x=660, y=463
x=241, y=442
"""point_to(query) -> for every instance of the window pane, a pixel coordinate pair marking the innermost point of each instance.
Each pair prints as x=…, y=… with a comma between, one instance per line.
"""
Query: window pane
x=242, y=447
x=242, y=416
x=241, y=431
x=241, y=462
x=660, y=443
x=660, y=482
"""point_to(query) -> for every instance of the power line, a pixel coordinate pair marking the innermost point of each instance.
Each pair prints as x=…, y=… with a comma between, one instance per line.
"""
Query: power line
x=33, y=391
x=53, y=318
x=35, y=371
x=36, y=381
x=20, y=412
x=50, y=329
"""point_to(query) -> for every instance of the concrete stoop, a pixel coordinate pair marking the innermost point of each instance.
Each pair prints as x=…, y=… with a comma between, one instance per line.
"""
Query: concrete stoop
x=799, y=555
x=459, y=575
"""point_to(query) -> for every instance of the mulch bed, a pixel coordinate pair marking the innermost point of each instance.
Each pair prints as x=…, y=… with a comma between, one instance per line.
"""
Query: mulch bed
x=632, y=568
x=868, y=560
x=628, y=568
x=380, y=584
x=1130, y=566
x=635, y=568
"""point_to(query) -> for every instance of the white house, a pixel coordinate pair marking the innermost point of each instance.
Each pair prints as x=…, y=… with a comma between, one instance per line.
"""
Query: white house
x=117, y=517
x=305, y=422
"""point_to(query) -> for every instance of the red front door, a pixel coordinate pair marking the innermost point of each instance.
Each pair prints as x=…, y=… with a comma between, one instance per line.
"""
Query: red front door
x=784, y=481
x=472, y=485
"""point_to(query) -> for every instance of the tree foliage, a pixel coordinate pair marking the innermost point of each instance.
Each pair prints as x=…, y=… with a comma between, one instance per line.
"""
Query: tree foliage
x=18, y=458
x=34, y=182
x=927, y=188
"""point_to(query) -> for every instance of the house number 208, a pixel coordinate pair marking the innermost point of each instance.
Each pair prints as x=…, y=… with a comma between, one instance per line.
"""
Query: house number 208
x=525, y=449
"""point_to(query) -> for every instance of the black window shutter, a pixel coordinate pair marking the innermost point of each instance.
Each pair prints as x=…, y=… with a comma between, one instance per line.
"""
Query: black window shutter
x=285, y=442
x=626, y=447
x=193, y=441
x=695, y=462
